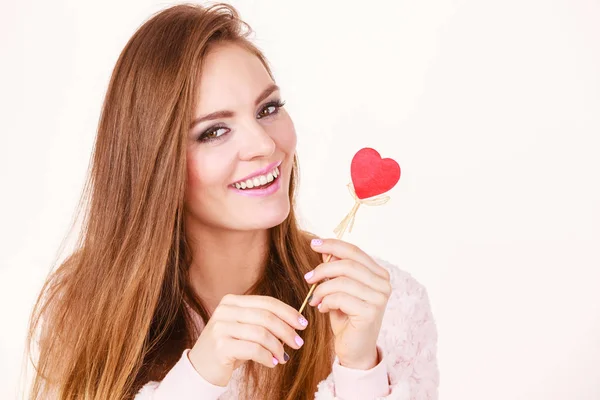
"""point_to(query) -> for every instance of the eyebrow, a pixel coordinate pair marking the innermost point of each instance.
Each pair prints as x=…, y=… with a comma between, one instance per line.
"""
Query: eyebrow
x=228, y=114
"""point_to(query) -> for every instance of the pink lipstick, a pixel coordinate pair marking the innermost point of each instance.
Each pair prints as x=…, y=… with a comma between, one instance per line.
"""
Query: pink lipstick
x=260, y=192
x=262, y=171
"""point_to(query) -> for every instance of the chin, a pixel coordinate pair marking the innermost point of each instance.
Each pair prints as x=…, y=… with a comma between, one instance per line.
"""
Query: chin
x=276, y=216
x=277, y=219
x=268, y=218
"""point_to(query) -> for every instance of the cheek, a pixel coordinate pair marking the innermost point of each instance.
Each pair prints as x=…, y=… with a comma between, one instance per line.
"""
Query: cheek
x=205, y=171
x=194, y=177
x=285, y=135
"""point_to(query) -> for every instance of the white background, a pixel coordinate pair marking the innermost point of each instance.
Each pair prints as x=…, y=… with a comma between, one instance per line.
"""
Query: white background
x=491, y=109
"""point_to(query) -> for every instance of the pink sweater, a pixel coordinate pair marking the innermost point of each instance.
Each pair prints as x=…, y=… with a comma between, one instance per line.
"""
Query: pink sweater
x=407, y=347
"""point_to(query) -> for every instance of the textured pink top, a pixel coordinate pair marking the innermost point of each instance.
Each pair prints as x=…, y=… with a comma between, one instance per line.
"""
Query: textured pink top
x=407, y=370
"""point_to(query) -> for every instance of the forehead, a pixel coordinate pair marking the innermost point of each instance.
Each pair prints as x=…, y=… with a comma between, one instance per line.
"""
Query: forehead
x=231, y=75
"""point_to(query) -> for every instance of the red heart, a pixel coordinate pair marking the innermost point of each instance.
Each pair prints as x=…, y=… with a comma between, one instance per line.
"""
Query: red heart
x=372, y=175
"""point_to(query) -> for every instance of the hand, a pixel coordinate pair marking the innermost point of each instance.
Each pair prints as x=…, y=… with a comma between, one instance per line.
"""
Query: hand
x=242, y=328
x=355, y=296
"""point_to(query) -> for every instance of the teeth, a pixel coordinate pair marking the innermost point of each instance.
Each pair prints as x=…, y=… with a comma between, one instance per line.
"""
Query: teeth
x=258, y=180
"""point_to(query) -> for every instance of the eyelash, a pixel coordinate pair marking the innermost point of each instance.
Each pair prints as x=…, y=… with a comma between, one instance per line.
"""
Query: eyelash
x=204, y=135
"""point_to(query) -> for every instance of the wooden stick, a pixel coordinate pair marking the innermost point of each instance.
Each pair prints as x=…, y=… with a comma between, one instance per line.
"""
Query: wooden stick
x=338, y=236
x=346, y=223
x=312, y=289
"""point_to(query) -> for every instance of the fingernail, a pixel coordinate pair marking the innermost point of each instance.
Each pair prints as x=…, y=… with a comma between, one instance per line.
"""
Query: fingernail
x=299, y=341
x=319, y=306
x=316, y=242
x=309, y=275
x=275, y=362
x=302, y=321
x=286, y=357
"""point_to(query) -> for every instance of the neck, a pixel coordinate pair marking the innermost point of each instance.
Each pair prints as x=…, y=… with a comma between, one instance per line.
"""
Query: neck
x=225, y=262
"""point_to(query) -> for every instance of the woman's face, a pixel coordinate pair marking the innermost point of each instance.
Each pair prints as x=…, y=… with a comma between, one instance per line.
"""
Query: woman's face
x=247, y=143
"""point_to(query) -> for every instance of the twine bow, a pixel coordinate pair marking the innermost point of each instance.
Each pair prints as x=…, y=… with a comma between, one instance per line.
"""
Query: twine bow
x=348, y=220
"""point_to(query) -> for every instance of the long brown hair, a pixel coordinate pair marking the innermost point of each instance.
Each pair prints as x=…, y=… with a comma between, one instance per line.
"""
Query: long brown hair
x=113, y=315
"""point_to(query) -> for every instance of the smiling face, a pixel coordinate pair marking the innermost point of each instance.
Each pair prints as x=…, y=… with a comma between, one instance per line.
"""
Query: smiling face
x=250, y=135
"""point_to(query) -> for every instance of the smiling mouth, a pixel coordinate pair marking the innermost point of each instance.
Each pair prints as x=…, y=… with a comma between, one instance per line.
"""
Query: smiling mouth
x=259, y=181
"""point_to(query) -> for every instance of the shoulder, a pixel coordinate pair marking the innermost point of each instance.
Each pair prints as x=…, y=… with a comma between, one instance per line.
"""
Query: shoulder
x=404, y=285
x=408, y=336
x=407, y=339
x=147, y=391
x=408, y=310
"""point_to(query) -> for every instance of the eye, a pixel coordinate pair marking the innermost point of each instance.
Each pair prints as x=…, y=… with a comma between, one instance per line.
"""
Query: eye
x=212, y=134
x=219, y=132
x=274, y=106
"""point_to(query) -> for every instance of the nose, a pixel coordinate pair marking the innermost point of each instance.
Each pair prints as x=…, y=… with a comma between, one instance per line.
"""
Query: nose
x=256, y=142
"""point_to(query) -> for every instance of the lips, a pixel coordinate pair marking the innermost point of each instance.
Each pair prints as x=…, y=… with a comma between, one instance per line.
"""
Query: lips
x=262, y=171
x=260, y=181
x=261, y=191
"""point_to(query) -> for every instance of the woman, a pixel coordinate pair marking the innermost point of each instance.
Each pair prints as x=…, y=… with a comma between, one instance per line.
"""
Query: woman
x=191, y=267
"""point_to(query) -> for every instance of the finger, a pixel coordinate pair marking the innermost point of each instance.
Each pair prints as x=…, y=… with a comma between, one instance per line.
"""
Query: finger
x=349, y=286
x=285, y=312
x=250, y=333
x=263, y=318
x=331, y=257
x=344, y=250
x=244, y=350
x=349, y=305
x=350, y=269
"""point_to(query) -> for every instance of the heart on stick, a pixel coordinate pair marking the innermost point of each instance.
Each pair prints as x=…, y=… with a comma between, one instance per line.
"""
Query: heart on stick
x=372, y=175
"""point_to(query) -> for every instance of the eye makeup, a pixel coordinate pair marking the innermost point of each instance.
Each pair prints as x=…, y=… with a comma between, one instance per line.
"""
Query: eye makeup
x=209, y=134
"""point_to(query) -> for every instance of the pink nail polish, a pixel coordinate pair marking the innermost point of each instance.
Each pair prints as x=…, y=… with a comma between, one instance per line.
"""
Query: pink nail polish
x=299, y=341
x=309, y=275
x=302, y=321
x=316, y=242
x=319, y=306
x=275, y=362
